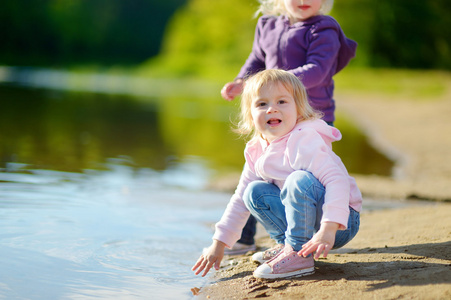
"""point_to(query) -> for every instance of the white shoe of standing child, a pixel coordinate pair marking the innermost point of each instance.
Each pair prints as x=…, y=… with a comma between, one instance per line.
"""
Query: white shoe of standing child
x=239, y=248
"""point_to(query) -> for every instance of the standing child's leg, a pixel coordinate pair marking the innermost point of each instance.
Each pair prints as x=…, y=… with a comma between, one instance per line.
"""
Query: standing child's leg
x=249, y=230
x=246, y=243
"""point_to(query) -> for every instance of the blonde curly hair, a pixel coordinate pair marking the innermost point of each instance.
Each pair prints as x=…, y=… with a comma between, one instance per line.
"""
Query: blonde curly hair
x=277, y=7
x=252, y=88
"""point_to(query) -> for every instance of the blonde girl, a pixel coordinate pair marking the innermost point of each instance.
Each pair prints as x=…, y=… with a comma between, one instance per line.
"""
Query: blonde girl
x=298, y=36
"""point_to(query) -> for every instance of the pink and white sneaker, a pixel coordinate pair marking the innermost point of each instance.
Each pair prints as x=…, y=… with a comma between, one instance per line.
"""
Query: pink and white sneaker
x=287, y=264
x=267, y=255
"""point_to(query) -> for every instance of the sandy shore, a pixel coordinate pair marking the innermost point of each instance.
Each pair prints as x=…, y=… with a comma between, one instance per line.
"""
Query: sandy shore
x=413, y=133
x=399, y=253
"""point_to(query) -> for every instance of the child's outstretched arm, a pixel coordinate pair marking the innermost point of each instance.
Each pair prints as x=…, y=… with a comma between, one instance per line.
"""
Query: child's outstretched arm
x=232, y=89
x=322, y=241
x=211, y=257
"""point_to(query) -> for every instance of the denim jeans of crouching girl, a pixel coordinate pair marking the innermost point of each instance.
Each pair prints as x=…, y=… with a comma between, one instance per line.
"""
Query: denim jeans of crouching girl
x=292, y=215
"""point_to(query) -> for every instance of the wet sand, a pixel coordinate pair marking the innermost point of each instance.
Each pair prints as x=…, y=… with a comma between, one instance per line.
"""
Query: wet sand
x=399, y=253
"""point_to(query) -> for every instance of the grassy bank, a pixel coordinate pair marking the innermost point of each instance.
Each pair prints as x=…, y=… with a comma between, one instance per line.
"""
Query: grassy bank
x=412, y=84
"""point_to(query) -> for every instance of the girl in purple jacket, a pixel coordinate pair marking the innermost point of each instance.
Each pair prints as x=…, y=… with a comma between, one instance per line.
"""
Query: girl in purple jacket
x=292, y=182
x=296, y=36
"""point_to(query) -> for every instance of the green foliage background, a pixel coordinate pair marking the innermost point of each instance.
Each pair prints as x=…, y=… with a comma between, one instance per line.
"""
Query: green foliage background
x=80, y=32
x=207, y=38
x=214, y=38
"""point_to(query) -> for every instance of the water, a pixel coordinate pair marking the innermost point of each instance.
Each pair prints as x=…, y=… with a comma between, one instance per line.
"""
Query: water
x=102, y=193
x=122, y=233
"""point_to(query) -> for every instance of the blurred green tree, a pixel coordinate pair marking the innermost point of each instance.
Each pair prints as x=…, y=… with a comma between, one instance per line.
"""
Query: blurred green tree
x=411, y=34
x=214, y=38
x=65, y=32
x=211, y=38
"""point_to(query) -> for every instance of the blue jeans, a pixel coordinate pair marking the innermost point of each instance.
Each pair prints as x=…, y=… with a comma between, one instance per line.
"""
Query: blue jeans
x=249, y=231
x=293, y=215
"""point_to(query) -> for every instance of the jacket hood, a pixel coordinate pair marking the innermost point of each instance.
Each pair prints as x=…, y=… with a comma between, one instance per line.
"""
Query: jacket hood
x=348, y=47
x=328, y=133
x=347, y=50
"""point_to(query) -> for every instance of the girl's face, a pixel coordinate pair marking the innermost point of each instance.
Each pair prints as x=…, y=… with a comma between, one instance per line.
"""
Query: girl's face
x=301, y=10
x=273, y=111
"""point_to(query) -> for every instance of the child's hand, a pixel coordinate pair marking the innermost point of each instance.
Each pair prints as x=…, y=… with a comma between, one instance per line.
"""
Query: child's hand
x=212, y=256
x=321, y=242
x=232, y=89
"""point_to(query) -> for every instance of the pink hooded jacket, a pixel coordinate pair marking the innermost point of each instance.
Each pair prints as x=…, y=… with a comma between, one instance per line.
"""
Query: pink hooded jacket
x=307, y=147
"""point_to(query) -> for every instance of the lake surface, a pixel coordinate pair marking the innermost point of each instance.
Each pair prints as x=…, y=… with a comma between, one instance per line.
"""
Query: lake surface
x=123, y=233
x=103, y=187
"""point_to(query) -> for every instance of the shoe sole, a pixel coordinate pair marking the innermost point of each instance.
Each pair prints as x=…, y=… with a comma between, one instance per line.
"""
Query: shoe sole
x=298, y=273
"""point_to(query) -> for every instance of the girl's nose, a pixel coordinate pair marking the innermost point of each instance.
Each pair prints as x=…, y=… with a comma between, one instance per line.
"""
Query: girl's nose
x=271, y=109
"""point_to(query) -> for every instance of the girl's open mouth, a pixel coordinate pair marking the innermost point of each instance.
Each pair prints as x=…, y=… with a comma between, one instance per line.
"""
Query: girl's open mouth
x=303, y=7
x=273, y=122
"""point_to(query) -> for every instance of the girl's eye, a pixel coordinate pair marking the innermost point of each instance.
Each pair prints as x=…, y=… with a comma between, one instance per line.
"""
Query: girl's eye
x=261, y=104
x=282, y=101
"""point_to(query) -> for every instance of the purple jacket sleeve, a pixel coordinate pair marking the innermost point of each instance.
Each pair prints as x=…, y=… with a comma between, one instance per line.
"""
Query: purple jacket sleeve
x=321, y=57
x=328, y=52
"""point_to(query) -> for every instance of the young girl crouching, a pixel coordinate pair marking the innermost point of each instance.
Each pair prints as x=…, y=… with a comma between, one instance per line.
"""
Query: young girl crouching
x=292, y=182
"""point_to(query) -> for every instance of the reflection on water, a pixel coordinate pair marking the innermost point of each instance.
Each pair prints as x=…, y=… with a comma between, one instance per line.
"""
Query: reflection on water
x=102, y=195
x=357, y=154
x=74, y=131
